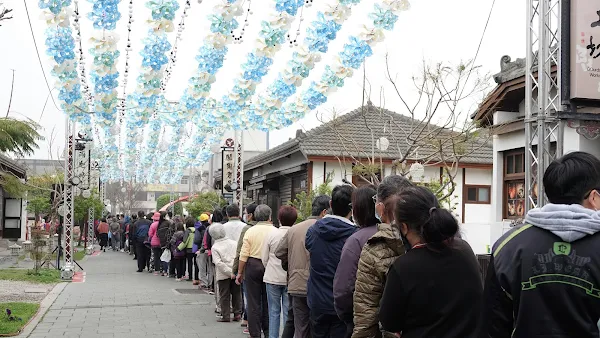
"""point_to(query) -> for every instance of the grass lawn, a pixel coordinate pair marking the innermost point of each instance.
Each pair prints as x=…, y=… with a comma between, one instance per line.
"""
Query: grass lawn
x=21, y=310
x=45, y=276
x=79, y=255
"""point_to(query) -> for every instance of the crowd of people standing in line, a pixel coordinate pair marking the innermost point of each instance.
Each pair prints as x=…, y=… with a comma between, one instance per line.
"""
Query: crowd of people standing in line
x=388, y=261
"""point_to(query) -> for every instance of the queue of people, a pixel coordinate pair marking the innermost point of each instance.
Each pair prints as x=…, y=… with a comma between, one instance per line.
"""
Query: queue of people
x=389, y=261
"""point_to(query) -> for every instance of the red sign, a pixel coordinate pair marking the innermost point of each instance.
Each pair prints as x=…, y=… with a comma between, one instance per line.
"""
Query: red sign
x=229, y=142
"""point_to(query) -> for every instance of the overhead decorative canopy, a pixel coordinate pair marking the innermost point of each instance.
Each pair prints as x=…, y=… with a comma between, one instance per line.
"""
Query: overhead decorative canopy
x=143, y=137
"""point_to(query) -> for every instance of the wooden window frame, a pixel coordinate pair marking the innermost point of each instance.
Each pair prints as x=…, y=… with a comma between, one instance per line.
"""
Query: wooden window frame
x=477, y=186
x=511, y=178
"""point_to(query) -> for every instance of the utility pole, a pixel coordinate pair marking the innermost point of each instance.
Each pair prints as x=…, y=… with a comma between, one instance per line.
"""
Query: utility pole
x=542, y=96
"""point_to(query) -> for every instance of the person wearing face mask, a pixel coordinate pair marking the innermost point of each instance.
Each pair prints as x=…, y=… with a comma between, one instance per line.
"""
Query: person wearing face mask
x=363, y=214
x=435, y=289
x=543, y=279
x=377, y=255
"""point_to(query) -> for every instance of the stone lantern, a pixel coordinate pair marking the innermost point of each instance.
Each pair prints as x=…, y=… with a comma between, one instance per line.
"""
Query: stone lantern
x=15, y=251
x=27, y=245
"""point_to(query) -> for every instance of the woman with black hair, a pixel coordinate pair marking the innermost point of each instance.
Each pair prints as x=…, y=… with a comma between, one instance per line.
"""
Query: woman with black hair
x=434, y=289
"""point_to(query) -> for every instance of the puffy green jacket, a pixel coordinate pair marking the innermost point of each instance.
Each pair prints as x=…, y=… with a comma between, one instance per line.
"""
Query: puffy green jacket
x=188, y=240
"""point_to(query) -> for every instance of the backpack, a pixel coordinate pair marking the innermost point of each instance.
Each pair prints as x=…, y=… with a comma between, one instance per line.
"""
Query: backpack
x=163, y=234
x=176, y=252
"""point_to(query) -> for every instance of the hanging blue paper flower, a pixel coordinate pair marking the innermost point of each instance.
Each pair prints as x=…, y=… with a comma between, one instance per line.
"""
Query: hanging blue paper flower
x=210, y=59
x=154, y=49
x=298, y=67
x=355, y=52
x=163, y=9
x=105, y=59
x=55, y=6
x=330, y=79
x=105, y=14
x=243, y=92
x=272, y=36
x=312, y=98
x=70, y=96
x=321, y=32
x=281, y=90
x=256, y=67
x=219, y=24
x=288, y=6
x=105, y=84
x=383, y=18
x=60, y=43
x=232, y=107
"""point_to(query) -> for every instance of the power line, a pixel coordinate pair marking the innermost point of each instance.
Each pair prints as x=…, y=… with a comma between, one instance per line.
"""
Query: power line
x=479, y=46
x=38, y=55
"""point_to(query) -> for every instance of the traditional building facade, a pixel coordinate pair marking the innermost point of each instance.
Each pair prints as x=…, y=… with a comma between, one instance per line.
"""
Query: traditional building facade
x=503, y=113
x=332, y=149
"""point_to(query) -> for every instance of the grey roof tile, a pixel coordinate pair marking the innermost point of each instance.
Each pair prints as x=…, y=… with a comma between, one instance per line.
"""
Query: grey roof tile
x=356, y=133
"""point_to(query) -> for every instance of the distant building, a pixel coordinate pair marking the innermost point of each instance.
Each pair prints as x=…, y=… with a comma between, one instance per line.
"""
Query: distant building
x=36, y=167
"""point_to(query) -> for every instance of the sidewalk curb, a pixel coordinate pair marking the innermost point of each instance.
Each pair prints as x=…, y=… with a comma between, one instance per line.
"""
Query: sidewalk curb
x=44, y=306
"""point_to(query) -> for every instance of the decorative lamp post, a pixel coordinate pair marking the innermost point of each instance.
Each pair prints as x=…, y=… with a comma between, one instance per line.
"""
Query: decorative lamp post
x=416, y=171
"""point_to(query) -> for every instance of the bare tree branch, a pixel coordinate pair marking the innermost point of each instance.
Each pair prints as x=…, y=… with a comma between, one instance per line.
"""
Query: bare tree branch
x=4, y=13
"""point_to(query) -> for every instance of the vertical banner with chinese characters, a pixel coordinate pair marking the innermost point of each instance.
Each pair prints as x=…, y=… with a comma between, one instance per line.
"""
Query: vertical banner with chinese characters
x=585, y=49
x=228, y=160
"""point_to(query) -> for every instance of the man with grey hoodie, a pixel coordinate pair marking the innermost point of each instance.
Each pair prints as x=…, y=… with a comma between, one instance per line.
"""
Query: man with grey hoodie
x=544, y=276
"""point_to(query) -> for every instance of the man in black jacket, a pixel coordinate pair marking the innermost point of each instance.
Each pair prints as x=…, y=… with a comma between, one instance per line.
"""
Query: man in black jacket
x=544, y=276
x=142, y=225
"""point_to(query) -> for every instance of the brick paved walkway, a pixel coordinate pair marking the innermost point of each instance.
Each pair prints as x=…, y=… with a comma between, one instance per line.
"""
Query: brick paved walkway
x=116, y=301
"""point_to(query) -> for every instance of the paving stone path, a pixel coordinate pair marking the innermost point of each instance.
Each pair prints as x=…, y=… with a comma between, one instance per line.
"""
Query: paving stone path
x=117, y=301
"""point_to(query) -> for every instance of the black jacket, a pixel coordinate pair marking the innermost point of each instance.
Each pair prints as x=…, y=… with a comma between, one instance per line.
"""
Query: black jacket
x=538, y=285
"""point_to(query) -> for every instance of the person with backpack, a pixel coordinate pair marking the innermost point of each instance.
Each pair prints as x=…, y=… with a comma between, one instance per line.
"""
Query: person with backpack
x=163, y=233
x=177, y=254
x=200, y=267
x=155, y=241
x=187, y=246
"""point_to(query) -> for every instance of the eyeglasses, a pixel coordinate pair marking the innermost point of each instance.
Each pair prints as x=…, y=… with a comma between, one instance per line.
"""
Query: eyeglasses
x=374, y=199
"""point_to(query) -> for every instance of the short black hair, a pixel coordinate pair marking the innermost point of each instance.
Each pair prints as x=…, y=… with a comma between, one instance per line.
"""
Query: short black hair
x=341, y=200
x=179, y=226
x=571, y=178
x=141, y=214
x=233, y=210
x=189, y=222
x=392, y=185
x=363, y=208
x=251, y=207
x=419, y=209
x=217, y=216
x=319, y=204
x=103, y=219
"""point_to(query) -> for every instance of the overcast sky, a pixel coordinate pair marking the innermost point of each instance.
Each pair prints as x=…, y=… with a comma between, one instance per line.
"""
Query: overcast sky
x=434, y=30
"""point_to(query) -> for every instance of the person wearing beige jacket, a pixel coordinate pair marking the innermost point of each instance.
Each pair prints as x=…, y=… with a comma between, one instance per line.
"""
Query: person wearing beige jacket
x=295, y=259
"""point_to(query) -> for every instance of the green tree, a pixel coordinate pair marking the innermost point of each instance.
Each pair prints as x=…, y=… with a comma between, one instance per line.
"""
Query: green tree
x=18, y=137
x=303, y=200
x=82, y=206
x=165, y=199
x=205, y=202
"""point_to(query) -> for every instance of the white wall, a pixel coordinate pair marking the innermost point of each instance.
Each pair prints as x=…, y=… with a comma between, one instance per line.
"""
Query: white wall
x=317, y=174
x=478, y=213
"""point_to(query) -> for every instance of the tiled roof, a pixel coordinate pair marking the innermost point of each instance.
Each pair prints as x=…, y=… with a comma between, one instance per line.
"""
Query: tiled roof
x=356, y=134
